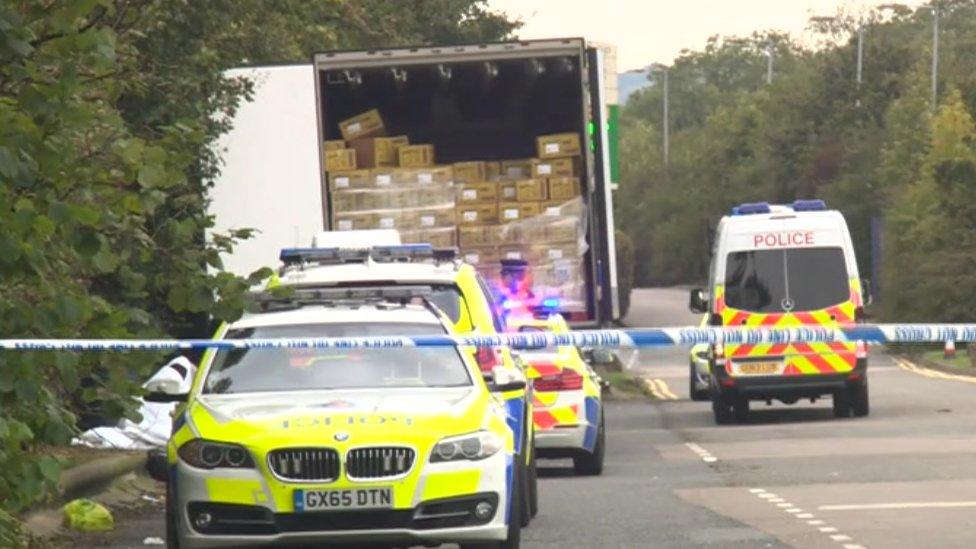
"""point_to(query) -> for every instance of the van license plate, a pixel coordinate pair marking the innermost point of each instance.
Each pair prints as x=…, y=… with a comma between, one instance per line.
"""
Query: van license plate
x=336, y=500
x=759, y=368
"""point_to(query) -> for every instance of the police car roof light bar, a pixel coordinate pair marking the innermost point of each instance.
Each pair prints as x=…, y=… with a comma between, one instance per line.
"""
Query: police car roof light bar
x=752, y=208
x=293, y=256
x=299, y=297
x=403, y=252
x=814, y=205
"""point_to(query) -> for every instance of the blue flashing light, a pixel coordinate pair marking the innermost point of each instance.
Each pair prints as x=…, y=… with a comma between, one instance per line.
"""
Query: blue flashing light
x=299, y=255
x=551, y=303
x=815, y=205
x=751, y=208
x=510, y=304
x=402, y=252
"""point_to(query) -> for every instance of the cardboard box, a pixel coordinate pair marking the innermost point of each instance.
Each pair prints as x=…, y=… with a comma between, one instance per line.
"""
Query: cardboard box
x=478, y=192
x=556, y=167
x=530, y=190
x=554, y=252
x=557, y=145
x=416, y=156
x=562, y=230
x=563, y=208
x=518, y=251
x=367, y=124
x=349, y=179
x=517, y=211
x=517, y=169
x=563, y=188
x=440, y=238
x=477, y=214
x=354, y=221
x=340, y=159
x=377, y=152
x=345, y=201
x=507, y=191
x=469, y=172
x=439, y=217
x=383, y=177
x=333, y=145
x=481, y=256
x=493, y=171
x=431, y=175
x=477, y=235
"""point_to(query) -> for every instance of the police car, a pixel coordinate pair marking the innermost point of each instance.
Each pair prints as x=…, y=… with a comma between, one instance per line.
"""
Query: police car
x=456, y=288
x=782, y=266
x=567, y=398
x=400, y=446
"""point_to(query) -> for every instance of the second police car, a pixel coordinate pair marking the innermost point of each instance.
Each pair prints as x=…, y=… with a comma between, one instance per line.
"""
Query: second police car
x=397, y=446
x=784, y=266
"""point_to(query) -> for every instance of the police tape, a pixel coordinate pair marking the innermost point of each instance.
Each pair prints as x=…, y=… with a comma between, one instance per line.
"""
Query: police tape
x=630, y=338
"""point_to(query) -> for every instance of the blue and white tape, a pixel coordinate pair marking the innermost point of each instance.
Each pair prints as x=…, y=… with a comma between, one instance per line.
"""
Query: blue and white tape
x=632, y=338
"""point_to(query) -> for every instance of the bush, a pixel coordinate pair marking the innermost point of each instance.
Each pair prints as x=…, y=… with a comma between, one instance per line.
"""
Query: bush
x=625, y=270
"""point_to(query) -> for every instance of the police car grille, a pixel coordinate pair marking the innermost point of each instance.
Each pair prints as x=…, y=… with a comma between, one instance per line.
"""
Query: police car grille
x=378, y=462
x=319, y=464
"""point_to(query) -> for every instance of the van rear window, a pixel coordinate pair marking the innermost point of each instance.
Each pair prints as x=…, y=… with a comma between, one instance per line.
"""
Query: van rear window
x=778, y=281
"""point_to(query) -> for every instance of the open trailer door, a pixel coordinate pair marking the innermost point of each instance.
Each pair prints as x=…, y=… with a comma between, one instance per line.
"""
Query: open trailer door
x=271, y=177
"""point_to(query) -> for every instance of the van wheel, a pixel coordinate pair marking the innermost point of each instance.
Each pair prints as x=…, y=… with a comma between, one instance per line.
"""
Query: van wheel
x=842, y=403
x=858, y=397
x=721, y=407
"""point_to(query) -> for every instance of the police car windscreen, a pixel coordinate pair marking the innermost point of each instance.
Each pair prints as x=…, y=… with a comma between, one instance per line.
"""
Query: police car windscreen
x=259, y=370
x=778, y=281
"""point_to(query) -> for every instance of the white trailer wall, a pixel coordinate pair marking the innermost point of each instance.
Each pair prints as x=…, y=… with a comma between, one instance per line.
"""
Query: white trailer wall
x=270, y=179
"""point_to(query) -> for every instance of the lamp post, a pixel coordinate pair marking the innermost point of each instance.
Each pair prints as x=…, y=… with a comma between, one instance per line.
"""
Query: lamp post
x=936, y=10
x=769, y=63
x=859, y=72
x=664, y=69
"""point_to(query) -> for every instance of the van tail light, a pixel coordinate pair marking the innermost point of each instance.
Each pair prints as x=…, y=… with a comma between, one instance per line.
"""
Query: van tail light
x=487, y=358
x=567, y=380
x=949, y=351
x=860, y=349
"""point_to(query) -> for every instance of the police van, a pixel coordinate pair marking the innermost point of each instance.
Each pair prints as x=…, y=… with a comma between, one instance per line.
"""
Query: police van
x=777, y=266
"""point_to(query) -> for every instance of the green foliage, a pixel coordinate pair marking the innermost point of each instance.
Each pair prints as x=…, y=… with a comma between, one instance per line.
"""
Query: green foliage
x=106, y=131
x=625, y=269
x=811, y=133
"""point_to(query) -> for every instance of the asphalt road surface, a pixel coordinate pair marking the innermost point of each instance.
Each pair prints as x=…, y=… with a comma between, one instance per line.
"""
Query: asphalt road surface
x=793, y=476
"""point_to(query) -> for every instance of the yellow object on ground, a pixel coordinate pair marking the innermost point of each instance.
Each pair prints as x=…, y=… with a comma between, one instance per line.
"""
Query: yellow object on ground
x=86, y=515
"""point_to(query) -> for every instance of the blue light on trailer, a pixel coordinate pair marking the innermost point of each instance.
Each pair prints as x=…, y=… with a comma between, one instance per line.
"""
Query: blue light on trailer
x=752, y=208
x=551, y=303
x=815, y=205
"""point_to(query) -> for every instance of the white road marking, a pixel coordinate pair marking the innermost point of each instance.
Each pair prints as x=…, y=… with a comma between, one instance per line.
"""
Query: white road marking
x=756, y=491
x=704, y=454
x=853, y=546
x=800, y=514
x=794, y=510
x=840, y=537
x=784, y=504
x=827, y=529
x=808, y=516
x=902, y=505
x=815, y=522
x=767, y=495
x=776, y=500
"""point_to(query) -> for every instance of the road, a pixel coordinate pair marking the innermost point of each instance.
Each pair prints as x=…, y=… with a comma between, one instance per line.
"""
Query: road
x=792, y=477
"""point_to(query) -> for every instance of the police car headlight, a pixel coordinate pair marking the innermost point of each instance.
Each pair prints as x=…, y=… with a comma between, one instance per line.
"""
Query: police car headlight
x=467, y=447
x=205, y=454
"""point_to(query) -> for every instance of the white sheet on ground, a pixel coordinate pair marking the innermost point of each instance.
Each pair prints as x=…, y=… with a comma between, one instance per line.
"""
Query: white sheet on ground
x=154, y=429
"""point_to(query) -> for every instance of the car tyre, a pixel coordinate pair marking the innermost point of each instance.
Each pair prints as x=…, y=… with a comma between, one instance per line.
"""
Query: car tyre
x=842, y=403
x=172, y=531
x=858, y=398
x=533, y=487
x=591, y=463
x=721, y=407
x=695, y=393
x=740, y=410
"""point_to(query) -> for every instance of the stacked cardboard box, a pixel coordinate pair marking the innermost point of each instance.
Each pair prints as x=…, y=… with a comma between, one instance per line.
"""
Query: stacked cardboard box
x=526, y=208
x=380, y=182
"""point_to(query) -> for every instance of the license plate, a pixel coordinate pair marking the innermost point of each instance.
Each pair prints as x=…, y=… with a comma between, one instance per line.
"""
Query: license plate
x=759, y=368
x=337, y=500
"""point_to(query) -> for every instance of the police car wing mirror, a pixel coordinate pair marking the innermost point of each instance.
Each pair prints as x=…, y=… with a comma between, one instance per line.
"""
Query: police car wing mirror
x=867, y=296
x=697, y=301
x=164, y=390
x=505, y=379
x=156, y=465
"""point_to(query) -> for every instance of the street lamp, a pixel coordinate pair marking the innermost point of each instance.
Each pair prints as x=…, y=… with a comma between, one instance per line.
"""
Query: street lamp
x=769, y=63
x=664, y=69
x=936, y=10
x=860, y=48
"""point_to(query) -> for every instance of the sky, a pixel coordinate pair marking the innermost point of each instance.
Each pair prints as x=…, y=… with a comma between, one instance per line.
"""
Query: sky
x=649, y=31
